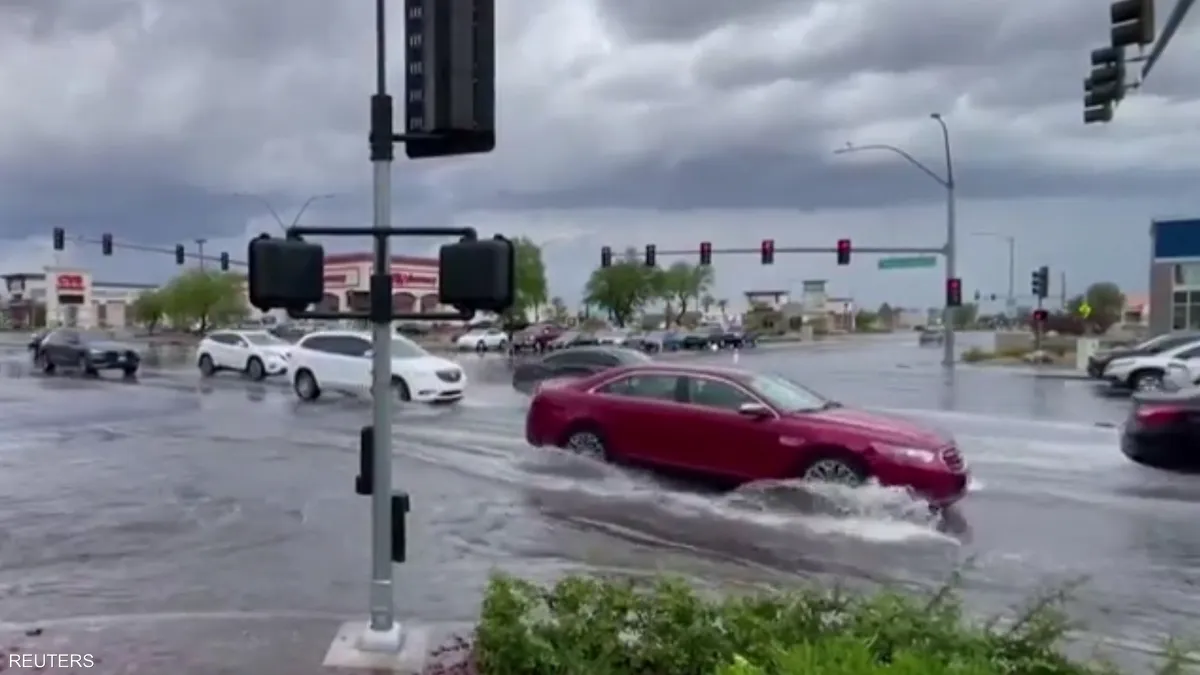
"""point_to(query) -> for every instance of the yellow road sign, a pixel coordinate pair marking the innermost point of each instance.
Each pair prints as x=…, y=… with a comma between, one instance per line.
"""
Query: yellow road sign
x=1085, y=310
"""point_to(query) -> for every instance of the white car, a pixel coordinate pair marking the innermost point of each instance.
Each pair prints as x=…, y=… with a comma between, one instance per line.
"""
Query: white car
x=1142, y=373
x=341, y=361
x=483, y=340
x=256, y=353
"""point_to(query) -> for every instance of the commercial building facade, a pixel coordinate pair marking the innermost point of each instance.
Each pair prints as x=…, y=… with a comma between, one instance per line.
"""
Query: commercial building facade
x=67, y=296
x=1174, y=302
x=348, y=276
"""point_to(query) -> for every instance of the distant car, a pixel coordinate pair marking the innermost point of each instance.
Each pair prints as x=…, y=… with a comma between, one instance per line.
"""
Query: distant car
x=341, y=361
x=573, y=338
x=257, y=353
x=288, y=332
x=482, y=340
x=611, y=337
x=537, y=338
x=736, y=338
x=1163, y=430
x=1156, y=345
x=931, y=336
x=577, y=362
x=704, y=338
x=732, y=426
x=90, y=352
x=1148, y=372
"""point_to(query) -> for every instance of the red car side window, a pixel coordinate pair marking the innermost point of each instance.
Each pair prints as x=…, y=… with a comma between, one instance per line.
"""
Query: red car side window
x=654, y=387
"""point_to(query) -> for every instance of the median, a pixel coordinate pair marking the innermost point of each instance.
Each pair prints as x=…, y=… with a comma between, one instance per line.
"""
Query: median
x=591, y=626
x=1057, y=357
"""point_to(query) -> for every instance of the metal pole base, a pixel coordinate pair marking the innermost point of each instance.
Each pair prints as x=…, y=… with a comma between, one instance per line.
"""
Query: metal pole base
x=403, y=649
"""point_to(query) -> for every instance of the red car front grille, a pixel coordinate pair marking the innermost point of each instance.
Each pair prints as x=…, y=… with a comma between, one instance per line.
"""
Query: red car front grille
x=953, y=458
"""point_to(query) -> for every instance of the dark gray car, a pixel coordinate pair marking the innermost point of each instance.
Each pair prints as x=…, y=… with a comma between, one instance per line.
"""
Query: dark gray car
x=87, y=351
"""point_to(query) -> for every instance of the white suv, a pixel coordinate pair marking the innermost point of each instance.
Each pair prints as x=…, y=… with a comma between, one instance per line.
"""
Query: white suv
x=256, y=353
x=341, y=361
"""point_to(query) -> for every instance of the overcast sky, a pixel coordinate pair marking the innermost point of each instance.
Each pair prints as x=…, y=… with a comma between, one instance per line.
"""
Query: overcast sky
x=621, y=122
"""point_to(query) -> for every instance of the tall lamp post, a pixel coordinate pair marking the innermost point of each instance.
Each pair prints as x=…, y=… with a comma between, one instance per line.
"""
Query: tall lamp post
x=1010, y=302
x=275, y=214
x=951, y=250
x=200, y=251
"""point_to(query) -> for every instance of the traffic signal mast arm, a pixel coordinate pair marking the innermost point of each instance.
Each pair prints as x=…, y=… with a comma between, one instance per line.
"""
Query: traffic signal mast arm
x=147, y=249
x=757, y=250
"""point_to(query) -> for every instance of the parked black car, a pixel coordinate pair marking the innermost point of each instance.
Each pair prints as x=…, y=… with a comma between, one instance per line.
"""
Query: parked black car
x=1099, y=361
x=87, y=351
x=573, y=338
x=736, y=338
x=576, y=362
x=704, y=338
x=1163, y=430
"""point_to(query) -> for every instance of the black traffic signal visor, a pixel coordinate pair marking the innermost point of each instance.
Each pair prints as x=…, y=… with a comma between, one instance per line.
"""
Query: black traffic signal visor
x=1133, y=22
x=1106, y=55
x=1095, y=115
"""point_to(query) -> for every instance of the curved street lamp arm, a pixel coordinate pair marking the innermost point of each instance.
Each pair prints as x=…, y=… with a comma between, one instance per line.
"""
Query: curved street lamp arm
x=265, y=202
x=949, y=182
x=907, y=157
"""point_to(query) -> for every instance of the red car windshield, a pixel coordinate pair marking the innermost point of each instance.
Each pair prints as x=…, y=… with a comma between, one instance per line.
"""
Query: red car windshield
x=787, y=396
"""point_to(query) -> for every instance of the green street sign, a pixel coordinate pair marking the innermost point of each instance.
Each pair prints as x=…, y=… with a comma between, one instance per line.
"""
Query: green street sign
x=1085, y=310
x=909, y=263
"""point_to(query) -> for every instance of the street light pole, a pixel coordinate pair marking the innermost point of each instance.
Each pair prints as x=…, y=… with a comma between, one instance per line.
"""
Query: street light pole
x=200, y=249
x=951, y=248
x=275, y=214
x=1010, y=301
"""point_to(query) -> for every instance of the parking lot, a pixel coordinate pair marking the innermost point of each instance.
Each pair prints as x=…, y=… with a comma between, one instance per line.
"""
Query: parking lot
x=211, y=526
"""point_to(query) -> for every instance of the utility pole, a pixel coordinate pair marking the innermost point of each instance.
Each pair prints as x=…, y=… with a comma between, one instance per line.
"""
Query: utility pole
x=1010, y=302
x=200, y=249
x=1062, y=289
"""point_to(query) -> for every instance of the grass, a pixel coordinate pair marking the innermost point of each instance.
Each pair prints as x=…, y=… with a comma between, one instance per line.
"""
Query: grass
x=589, y=626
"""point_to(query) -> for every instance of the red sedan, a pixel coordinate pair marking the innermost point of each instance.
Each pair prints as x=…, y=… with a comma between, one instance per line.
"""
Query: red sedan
x=735, y=427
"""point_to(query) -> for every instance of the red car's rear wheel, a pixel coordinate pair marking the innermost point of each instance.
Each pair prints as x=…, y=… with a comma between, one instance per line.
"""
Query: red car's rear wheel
x=588, y=443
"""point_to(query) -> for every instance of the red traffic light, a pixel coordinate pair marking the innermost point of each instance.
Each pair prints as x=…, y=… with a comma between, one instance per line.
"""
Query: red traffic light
x=843, y=252
x=768, y=251
x=1040, y=315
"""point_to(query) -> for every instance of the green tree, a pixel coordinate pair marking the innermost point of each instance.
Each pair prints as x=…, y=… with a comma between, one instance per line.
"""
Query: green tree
x=1107, y=303
x=682, y=283
x=148, y=309
x=623, y=288
x=203, y=299
x=531, y=288
x=707, y=302
x=558, y=310
x=887, y=318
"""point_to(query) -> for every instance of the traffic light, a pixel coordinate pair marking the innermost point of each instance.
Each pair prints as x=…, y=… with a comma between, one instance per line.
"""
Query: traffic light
x=843, y=252
x=705, y=253
x=768, y=252
x=651, y=256
x=224, y=261
x=606, y=257
x=977, y=296
x=1105, y=86
x=1040, y=316
x=1040, y=284
x=179, y=254
x=954, y=292
x=60, y=239
x=106, y=243
x=1132, y=22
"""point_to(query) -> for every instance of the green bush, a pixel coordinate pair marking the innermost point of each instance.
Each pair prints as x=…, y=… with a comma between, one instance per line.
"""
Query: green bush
x=591, y=626
x=975, y=355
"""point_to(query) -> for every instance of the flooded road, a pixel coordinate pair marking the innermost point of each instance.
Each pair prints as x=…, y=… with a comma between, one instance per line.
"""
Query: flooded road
x=213, y=525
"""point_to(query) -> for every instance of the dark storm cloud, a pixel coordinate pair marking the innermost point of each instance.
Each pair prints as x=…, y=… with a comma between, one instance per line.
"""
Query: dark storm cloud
x=752, y=181
x=684, y=20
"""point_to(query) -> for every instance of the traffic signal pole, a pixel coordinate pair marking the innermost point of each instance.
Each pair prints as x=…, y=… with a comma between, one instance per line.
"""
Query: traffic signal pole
x=80, y=239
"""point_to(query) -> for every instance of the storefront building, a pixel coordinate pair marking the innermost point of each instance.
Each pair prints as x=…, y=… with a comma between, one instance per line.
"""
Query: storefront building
x=67, y=297
x=348, y=276
x=1174, y=302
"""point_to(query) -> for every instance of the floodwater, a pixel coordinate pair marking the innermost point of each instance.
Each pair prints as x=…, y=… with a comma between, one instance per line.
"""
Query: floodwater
x=213, y=527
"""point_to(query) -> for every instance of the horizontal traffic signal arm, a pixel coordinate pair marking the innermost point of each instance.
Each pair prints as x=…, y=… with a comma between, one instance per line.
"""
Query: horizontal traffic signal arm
x=757, y=250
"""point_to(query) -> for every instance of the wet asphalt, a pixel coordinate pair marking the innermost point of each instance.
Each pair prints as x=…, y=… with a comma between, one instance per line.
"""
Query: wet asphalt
x=211, y=526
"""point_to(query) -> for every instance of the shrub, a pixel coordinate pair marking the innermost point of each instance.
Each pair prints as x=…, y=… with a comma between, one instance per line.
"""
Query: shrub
x=975, y=355
x=590, y=626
